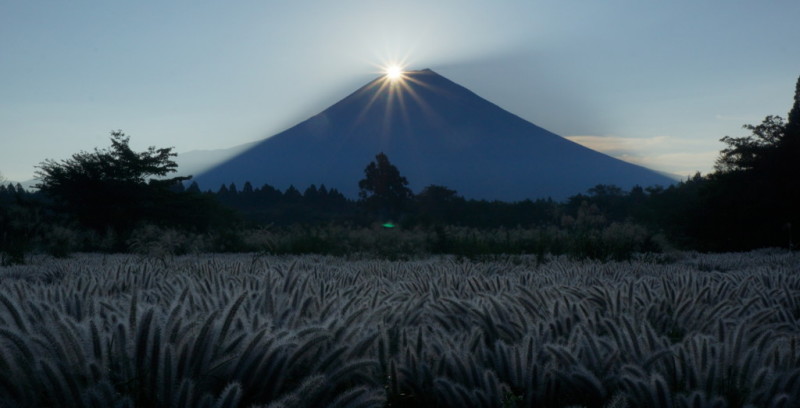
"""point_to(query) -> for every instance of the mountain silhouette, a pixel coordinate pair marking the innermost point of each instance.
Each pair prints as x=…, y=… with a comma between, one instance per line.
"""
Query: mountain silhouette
x=436, y=132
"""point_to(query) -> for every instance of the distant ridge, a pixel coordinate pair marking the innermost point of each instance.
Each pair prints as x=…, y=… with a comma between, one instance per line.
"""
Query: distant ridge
x=436, y=132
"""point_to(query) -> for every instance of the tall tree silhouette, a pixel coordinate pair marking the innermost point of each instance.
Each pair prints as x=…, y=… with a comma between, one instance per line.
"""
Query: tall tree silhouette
x=438, y=205
x=117, y=188
x=383, y=189
x=791, y=158
x=754, y=194
x=793, y=124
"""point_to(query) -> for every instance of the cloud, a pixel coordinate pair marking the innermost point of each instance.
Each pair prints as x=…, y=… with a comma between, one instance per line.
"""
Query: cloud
x=737, y=118
x=683, y=157
x=613, y=145
x=682, y=164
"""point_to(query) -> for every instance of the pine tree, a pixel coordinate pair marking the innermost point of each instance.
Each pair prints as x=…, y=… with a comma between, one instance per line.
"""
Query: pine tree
x=793, y=124
x=791, y=156
x=755, y=191
x=193, y=188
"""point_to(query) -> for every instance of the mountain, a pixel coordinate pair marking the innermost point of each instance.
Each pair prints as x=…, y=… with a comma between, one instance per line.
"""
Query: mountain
x=436, y=132
x=198, y=161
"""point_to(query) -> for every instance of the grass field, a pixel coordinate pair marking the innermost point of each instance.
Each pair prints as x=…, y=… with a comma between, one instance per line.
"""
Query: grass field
x=311, y=331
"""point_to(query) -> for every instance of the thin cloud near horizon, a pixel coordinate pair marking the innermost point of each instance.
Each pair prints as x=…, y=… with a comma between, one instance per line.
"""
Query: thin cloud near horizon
x=673, y=155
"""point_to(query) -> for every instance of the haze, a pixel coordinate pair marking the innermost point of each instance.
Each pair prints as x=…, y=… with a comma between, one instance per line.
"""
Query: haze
x=657, y=84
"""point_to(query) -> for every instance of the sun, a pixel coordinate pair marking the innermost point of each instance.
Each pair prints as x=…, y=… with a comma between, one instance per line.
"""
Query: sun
x=394, y=72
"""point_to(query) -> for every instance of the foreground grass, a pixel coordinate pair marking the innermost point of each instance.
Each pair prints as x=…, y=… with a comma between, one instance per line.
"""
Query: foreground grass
x=256, y=331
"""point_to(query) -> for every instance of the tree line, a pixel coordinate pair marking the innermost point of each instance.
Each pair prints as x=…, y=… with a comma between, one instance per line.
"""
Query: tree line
x=749, y=201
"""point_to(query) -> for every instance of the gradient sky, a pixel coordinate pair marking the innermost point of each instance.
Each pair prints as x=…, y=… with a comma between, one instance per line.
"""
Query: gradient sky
x=655, y=83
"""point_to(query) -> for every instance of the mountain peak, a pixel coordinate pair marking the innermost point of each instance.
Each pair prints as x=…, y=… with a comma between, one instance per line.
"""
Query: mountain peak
x=425, y=70
x=436, y=132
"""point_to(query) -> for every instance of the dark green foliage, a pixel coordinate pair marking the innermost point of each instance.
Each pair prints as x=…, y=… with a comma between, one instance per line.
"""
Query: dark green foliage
x=267, y=205
x=383, y=190
x=22, y=219
x=110, y=187
x=793, y=124
x=754, y=152
x=438, y=205
x=752, y=198
x=117, y=189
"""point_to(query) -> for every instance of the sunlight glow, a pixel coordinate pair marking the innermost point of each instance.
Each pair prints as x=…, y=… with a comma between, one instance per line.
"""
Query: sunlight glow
x=396, y=90
x=394, y=72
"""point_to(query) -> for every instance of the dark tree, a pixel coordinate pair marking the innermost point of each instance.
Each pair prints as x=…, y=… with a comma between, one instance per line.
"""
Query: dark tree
x=793, y=122
x=116, y=165
x=790, y=158
x=116, y=188
x=292, y=195
x=193, y=188
x=752, y=198
x=772, y=147
x=21, y=219
x=438, y=205
x=755, y=151
x=311, y=194
x=383, y=189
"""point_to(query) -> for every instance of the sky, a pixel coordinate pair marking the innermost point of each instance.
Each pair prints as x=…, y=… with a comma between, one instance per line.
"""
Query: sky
x=655, y=83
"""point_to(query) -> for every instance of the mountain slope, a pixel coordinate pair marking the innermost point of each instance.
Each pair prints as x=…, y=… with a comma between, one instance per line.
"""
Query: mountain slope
x=436, y=132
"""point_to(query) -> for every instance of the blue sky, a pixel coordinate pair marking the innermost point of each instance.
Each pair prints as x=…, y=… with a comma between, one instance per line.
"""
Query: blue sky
x=655, y=83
